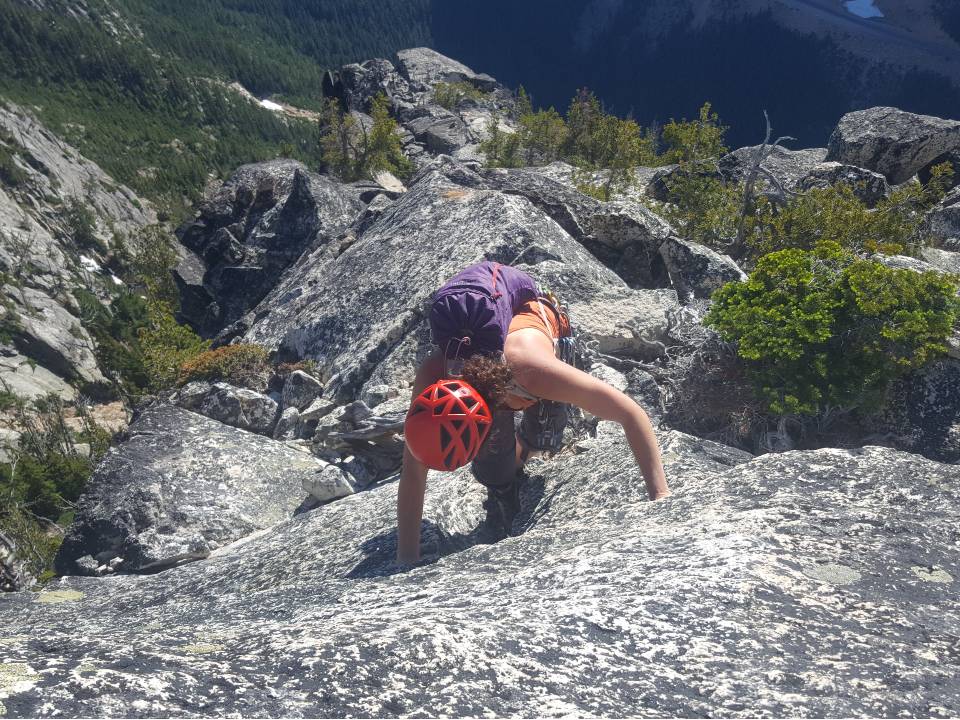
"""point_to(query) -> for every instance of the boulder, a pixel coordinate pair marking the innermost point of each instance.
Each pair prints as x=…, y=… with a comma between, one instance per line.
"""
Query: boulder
x=288, y=425
x=868, y=186
x=892, y=142
x=624, y=322
x=695, y=270
x=178, y=487
x=923, y=411
x=804, y=583
x=347, y=311
x=233, y=406
x=942, y=223
x=787, y=166
x=439, y=130
x=300, y=390
x=942, y=260
x=258, y=224
x=424, y=67
x=328, y=484
x=625, y=236
x=359, y=84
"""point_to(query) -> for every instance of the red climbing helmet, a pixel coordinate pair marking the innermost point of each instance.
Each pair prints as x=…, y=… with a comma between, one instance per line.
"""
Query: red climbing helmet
x=446, y=424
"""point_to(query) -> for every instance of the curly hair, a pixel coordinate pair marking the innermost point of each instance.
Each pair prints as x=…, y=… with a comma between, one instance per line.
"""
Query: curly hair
x=490, y=377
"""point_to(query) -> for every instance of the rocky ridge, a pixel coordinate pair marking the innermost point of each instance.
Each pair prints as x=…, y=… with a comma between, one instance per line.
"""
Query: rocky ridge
x=783, y=584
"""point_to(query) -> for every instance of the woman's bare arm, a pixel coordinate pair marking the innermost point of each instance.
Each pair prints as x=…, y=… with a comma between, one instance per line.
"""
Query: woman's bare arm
x=543, y=375
x=413, y=476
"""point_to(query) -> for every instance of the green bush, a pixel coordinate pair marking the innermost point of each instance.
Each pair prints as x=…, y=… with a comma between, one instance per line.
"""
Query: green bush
x=501, y=148
x=166, y=345
x=450, y=95
x=241, y=364
x=82, y=226
x=704, y=208
x=351, y=151
x=695, y=142
x=835, y=214
x=822, y=328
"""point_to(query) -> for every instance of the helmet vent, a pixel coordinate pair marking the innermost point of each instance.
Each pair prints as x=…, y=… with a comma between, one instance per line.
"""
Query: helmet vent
x=445, y=437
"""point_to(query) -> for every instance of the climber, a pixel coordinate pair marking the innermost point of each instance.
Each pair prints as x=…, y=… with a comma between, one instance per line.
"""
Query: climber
x=502, y=346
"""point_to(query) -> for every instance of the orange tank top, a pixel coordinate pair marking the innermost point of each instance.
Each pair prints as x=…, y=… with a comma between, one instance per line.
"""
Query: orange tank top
x=536, y=314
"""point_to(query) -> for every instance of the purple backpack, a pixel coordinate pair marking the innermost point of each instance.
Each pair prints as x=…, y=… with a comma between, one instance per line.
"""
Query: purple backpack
x=472, y=312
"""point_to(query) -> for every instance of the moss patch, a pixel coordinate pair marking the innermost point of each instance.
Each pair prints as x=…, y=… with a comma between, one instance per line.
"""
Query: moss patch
x=833, y=573
x=932, y=574
x=60, y=596
x=12, y=673
x=201, y=648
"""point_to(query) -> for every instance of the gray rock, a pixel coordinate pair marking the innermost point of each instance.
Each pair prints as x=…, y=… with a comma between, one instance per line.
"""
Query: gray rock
x=317, y=409
x=424, y=67
x=288, y=425
x=330, y=483
x=240, y=408
x=696, y=270
x=300, y=390
x=892, y=142
x=868, y=186
x=923, y=411
x=628, y=323
x=439, y=130
x=757, y=589
x=54, y=337
x=625, y=236
x=258, y=224
x=378, y=394
x=26, y=379
x=943, y=260
x=942, y=223
x=179, y=487
x=361, y=83
x=348, y=311
x=787, y=166
x=658, y=184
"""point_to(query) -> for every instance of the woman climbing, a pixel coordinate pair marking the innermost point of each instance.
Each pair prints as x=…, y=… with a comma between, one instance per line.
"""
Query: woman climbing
x=502, y=347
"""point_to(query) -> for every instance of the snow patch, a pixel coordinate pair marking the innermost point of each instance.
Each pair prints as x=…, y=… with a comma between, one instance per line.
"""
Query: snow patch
x=863, y=8
x=116, y=280
x=270, y=105
x=89, y=264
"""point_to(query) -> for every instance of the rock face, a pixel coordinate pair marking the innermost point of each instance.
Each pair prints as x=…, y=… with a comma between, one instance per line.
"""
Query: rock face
x=625, y=236
x=788, y=167
x=348, y=311
x=696, y=270
x=760, y=588
x=180, y=487
x=892, y=142
x=868, y=186
x=425, y=67
x=43, y=264
x=257, y=225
